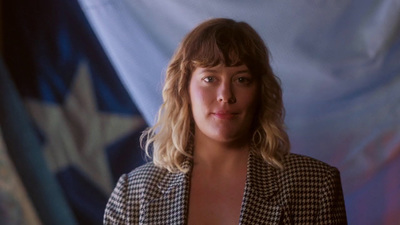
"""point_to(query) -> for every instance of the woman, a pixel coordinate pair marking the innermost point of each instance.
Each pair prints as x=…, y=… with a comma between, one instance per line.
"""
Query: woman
x=220, y=153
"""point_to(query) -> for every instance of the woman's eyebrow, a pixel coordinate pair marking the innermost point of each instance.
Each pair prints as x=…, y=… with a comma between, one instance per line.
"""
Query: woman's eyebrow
x=209, y=71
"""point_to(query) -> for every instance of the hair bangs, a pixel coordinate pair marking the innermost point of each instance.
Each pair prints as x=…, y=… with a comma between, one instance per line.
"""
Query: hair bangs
x=222, y=47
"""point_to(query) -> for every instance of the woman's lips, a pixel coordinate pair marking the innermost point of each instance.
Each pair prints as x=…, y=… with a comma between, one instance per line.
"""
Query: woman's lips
x=224, y=115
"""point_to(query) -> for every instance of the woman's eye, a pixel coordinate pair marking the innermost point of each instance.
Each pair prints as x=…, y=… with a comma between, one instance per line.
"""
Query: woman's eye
x=244, y=80
x=209, y=79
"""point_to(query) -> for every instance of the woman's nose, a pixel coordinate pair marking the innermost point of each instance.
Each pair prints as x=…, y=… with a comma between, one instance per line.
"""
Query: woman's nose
x=226, y=94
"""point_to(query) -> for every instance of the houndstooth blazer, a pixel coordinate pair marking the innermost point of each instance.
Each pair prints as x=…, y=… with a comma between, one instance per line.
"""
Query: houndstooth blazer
x=306, y=191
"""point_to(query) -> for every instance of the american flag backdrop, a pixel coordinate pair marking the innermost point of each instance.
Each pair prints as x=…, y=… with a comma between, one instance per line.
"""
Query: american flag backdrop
x=89, y=73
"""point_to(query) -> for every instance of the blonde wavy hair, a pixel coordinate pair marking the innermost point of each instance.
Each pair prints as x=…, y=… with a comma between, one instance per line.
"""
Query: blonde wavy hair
x=216, y=42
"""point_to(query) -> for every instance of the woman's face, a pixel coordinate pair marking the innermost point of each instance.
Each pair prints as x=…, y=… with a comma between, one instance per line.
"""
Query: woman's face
x=223, y=101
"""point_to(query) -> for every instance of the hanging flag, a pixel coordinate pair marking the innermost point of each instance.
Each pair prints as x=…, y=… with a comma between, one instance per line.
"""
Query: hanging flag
x=86, y=121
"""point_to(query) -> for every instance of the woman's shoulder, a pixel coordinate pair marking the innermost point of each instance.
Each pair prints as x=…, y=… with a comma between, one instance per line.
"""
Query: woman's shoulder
x=147, y=173
x=305, y=165
x=123, y=204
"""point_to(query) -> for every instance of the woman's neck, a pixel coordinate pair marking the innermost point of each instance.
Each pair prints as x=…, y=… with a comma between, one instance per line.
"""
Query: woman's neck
x=215, y=157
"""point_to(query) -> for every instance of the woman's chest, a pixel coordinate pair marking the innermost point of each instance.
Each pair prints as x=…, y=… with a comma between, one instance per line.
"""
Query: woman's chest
x=216, y=202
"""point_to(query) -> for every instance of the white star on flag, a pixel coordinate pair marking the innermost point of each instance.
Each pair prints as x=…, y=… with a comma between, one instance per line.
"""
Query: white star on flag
x=77, y=133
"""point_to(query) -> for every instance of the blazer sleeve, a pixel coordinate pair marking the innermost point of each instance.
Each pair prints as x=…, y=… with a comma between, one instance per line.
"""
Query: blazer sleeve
x=115, y=212
x=332, y=207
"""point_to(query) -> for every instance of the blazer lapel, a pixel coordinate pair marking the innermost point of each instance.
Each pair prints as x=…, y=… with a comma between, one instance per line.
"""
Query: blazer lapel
x=170, y=203
x=261, y=204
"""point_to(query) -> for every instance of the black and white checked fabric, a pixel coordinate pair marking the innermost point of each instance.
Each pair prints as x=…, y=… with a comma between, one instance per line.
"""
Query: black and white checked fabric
x=306, y=191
